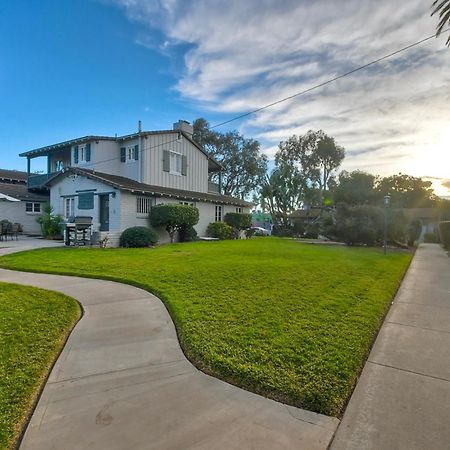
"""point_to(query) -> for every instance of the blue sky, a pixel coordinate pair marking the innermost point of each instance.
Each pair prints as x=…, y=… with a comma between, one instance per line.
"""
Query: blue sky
x=71, y=68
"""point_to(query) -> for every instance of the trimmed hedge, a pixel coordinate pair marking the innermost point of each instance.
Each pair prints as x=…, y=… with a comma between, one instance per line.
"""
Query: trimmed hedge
x=174, y=217
x=220, y=230
x=138, y=237
x=238, y=222
x=444, y=233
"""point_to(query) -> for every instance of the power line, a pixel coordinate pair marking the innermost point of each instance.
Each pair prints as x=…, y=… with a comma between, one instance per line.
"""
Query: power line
x=317, y=86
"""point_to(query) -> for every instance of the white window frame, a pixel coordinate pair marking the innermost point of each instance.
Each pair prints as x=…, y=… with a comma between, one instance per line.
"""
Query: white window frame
x=81, y=153
x=187, y=203
x=35, y=208
x=130, y=153
x=239, y=209
x=218, y=213
x=69, y=207
x=175, y=159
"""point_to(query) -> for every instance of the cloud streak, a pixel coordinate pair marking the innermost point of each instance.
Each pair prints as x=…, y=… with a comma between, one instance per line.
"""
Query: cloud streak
x=241, y=55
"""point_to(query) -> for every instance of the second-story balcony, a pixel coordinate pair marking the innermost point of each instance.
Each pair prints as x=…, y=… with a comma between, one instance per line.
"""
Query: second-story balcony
x=37, y=181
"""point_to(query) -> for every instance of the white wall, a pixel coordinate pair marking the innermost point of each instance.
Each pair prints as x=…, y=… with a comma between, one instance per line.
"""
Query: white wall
x=152, y=158
x=15, y=212
x=69, y=186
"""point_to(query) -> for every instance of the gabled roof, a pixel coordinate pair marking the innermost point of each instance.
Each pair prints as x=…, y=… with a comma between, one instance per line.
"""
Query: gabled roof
x=61, y=145
x=127, y=184
x=12, y=176
x=20, y=191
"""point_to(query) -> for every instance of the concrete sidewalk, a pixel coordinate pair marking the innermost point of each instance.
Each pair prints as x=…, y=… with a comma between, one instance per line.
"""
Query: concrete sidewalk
x=122, y=382
x=402, y=400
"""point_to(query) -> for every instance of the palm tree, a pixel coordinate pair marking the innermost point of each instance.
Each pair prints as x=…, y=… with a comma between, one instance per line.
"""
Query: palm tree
x=443, y=8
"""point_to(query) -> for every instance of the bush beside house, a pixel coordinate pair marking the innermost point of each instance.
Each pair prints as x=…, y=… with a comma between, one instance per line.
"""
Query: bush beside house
x=174, y=218
x=138, y=237
x=50, y=223
x=219, y=230
x=238, y=222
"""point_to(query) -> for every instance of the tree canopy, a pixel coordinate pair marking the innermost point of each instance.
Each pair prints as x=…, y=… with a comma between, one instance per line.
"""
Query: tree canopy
x=244, y=164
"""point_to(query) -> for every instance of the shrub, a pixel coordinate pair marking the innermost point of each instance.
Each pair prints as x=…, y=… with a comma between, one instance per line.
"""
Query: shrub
x=414, y=231
x=174, y=217
x=187, y=234
x=50, y=223
x=429, y=238
x=138, y=237
x=238, y=222
x=359, y=225
x=220, y=230
x=312, y=231
x=444, y=233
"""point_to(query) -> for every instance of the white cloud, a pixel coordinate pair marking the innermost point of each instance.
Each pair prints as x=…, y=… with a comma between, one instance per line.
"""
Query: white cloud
x=392, y=117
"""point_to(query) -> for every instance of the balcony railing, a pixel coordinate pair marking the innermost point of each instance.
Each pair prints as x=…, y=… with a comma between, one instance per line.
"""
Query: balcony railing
x=213, y=188
x=38, y=181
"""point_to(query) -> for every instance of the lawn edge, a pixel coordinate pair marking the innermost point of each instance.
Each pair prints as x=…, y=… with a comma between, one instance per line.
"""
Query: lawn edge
x=374, y=338
x=22, y=426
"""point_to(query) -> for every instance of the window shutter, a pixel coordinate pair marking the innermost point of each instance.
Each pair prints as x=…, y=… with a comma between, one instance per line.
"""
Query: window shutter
x=75, y=154
x=136, y=152
x=123, y=154
x=166, y=161
x=86, y=200
x=88, y=152
x=184, y=165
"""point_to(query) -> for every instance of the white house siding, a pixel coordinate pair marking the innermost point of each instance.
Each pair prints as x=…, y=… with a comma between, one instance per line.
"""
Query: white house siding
x=105, y=157
x=15, y=212
x=196, y=178
x=67, y=186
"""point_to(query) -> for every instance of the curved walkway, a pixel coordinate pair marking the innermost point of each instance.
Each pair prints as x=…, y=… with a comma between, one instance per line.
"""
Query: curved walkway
x=122, y=382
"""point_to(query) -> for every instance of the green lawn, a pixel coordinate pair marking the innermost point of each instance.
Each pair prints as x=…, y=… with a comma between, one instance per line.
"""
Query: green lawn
x=33, y=327
x=291, y=321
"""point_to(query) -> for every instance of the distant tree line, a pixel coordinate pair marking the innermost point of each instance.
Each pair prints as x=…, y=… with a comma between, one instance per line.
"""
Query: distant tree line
x=304, y=177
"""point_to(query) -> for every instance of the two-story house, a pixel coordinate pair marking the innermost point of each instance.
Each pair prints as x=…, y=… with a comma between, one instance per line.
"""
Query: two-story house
x=116, y=180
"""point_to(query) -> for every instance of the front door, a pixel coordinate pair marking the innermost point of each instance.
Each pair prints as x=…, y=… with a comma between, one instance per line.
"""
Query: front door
x=104, y=212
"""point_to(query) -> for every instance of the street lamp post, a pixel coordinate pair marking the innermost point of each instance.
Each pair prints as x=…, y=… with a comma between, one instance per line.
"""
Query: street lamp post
x=387, y=200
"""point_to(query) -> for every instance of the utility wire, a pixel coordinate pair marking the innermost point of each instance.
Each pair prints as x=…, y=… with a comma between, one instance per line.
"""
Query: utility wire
x=317, y=86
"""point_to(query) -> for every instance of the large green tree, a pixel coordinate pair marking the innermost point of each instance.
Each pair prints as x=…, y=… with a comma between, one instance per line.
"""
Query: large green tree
x=442, y=8
x=313, y=157
x=282, y=193
x=355, y=188
x=407, y=191
x=244, y=164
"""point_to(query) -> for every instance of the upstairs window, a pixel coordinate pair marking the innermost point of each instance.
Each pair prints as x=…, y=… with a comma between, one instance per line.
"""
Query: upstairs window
x=174, y=163
x=59, y=165
x=218, y=217
x=129, y=153
x=82, y=153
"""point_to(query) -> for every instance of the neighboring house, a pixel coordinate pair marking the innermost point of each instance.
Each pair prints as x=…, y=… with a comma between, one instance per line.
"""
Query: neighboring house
x=29, y=206
x=305, y=217
x=116, y=180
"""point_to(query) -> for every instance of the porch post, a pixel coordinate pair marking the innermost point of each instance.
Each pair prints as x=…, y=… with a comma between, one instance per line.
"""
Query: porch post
x=28, y=167
x=49, y=164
